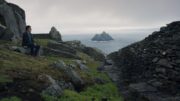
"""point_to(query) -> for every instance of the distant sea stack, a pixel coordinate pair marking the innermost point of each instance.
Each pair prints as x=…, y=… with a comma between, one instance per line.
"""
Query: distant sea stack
x=102, y=37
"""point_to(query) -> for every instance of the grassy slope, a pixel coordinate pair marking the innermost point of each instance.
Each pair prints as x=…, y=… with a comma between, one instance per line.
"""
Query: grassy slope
x=14, y=61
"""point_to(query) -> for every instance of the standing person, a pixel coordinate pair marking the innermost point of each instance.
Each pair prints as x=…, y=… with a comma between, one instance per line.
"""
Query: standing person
x=28, y=41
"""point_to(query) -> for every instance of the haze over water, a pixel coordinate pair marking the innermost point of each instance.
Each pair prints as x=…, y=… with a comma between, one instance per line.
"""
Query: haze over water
x=120, y=40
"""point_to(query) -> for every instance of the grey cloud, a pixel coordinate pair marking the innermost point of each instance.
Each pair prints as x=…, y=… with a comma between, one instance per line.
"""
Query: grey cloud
x=96, y=15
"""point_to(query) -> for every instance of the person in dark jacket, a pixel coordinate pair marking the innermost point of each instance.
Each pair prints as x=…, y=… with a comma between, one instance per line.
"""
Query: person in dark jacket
x=28, y=41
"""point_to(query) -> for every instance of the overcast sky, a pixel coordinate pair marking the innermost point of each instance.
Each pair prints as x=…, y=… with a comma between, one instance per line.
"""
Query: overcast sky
x=94, y=16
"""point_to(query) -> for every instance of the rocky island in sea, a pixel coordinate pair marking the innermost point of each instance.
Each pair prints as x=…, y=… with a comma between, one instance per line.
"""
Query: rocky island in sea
x=102, y=37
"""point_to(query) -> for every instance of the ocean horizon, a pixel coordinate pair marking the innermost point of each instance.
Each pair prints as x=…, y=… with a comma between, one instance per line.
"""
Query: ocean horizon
x=120, y=40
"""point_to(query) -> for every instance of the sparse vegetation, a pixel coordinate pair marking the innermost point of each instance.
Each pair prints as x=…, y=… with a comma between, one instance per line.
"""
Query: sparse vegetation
x=17, y=62
x=11, y=99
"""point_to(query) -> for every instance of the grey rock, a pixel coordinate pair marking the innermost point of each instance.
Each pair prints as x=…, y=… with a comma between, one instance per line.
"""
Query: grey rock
x=165, y=62
x=54, y=34
x=20, y=49
x=59, y=65
x=54, y=52
x=161, y=70
x=81, y=65
x=70, y=73
x=151, y=74
x=61, y=47
x=13, y=17
x=65, y=85
x=155, y=60
x=54, y=89
x=143, y=87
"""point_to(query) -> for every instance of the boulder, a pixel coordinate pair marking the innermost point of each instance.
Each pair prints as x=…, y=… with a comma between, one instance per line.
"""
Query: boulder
x=54, y=34
x=54, y=89
x=61, y=47
x=12, y=17
x=54, y=52
x=20, y=49
x=70, y=73
x=81, y=65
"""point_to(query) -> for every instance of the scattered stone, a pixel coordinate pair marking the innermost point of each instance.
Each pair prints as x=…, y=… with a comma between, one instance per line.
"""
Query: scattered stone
x=54, y=89
x=70, y=73
x=82, y=66
x=20, y=49
x=164, y=62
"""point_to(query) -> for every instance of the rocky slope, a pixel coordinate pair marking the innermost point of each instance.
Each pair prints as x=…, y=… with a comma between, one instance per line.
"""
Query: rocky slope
x=64, y=71
x=149, y=70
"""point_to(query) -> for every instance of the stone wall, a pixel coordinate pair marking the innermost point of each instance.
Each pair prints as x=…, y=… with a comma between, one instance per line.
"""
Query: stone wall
x=149, y=70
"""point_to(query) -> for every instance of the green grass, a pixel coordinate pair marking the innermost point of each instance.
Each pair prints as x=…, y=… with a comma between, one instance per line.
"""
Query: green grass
x=15, y=61
x=5, y=79
x=42, y=42
x=98, y=92
x=108, y=90
x=11, y=99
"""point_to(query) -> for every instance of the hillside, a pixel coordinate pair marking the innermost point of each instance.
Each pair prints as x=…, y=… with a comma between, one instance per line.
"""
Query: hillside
x=63, y=71
x=27, y=78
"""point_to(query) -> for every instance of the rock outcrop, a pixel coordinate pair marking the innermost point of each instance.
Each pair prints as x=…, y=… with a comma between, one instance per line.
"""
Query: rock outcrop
x=92, y=52
x=54, y=34
x=70, y=74
x=13, y=18
x=149, y=70
x=102, y=37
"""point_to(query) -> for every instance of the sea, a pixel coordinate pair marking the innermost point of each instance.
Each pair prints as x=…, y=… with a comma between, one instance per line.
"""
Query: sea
x=120, y=40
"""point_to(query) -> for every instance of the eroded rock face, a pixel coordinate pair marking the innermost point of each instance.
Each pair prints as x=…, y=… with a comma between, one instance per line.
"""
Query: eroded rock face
x=55, y=34
x=13, y=18
x=149, y=70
